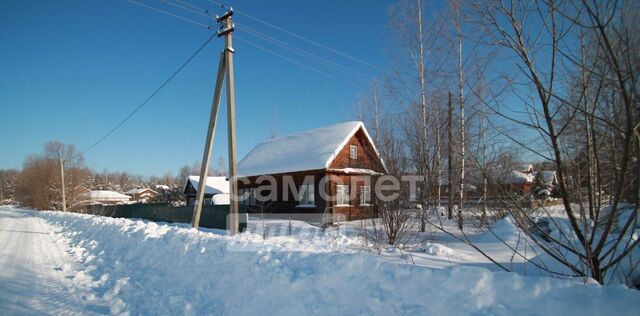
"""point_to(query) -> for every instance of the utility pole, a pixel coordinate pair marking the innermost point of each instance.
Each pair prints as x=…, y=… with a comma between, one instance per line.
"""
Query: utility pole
x=450, y=161
x=225, y=66
x=64, y=198
x=231, y=120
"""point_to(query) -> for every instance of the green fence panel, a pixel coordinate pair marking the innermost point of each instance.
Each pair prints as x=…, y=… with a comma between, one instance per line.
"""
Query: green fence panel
x=213, y=216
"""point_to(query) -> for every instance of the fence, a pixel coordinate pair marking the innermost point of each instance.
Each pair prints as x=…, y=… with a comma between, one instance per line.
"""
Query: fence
x=213, y=216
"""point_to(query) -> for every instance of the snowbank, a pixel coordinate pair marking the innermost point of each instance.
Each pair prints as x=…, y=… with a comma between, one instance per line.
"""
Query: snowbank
x=153, y=268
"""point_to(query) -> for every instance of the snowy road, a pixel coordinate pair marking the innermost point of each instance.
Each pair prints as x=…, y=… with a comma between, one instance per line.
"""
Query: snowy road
x=37, y=272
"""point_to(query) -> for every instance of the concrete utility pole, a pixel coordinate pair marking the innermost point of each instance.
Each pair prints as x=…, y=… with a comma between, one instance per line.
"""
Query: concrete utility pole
x=64, y=198
x=231, y=121
x=450, y=161
x=225, y=66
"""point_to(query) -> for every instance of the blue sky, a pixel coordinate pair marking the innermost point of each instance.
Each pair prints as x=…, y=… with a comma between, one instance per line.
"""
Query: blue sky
x=71, y=70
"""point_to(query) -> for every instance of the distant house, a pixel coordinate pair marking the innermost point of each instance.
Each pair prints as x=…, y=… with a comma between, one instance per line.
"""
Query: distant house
x=549, y=177
x=517, y=181
x=340, y=153
x=104, y=197
x=142, y=195
x=525, y=168
x=216, y=190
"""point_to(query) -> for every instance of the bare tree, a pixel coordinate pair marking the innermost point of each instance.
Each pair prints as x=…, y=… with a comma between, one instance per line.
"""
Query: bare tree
x=601, y=97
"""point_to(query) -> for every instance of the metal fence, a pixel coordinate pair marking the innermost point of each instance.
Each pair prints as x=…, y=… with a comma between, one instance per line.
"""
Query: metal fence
x=213, y=216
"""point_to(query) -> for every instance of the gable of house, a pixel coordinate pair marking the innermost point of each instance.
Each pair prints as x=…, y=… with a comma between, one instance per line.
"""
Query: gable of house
x=365, y=159
x=214, y=185
x=309, y=150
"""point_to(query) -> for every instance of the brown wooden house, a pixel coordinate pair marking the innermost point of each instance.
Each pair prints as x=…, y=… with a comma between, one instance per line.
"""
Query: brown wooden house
x=216, y=190
x=329, y=170
x=142, y=195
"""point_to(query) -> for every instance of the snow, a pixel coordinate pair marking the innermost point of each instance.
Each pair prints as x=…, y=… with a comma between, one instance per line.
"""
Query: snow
x=40, y=273
x=214, y=185
x=138, y=191
x=103, y=195
x=548, y=176
x=221, y=199
x=517, y=177
x=355, y=171
x=162, y=187
x=308, y=150
x=139, y=267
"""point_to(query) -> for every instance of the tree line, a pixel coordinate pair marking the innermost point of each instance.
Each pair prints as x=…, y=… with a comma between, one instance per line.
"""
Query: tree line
x=38, y=184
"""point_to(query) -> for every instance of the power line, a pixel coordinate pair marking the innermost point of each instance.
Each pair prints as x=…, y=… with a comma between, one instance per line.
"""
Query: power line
x=200, y=11
x=189, y=7
x=150, y=96
x=169, y=14
x=304, y=53
x=284, y=57
x=301, y=37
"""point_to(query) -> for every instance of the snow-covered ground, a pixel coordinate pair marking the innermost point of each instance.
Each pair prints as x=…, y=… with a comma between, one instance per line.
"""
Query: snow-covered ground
x=52, y=262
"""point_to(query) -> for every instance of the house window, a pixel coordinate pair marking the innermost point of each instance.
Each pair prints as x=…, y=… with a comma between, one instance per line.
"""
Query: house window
x=342, y=194
x=365, y=195
x=252, y=196
x=353, y=152
x=241, y=197
x=306, y=195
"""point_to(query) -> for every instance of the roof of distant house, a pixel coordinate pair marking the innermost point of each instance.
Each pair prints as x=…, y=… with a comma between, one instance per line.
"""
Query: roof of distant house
x=517, y=177
x=105, y=195
x=308, y=150
x=548, y=176
x=138, y=191
x=214, y=185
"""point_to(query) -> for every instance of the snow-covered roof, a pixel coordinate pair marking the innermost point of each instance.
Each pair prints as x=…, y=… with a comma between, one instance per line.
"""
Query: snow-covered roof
x=308, y=150
x=517, y=177
x=214, y=185
x=221, y=199
x=523, y=167
x=355, y=171
x=548, y=176
x=104, y=195
x=138, y=191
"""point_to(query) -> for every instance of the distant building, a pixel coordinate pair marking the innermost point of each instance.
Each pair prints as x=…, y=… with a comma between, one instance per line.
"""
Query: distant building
x=216, y=190
x=525, y=168
x=142, y=195
x=104, y=197
x=549, y=177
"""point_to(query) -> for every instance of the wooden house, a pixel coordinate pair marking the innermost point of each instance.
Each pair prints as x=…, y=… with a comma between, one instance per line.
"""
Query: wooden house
x=216, y=190
x=329, y=170
x=142, y=195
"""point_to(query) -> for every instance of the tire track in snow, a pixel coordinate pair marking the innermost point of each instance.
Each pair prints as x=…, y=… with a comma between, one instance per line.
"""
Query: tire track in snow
x=37, y=274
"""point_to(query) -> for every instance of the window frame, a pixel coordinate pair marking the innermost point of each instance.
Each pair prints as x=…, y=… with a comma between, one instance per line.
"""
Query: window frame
x=306, y=195
x=342, y=195
x=366, y=188
x=252, y=196
x=353, y=152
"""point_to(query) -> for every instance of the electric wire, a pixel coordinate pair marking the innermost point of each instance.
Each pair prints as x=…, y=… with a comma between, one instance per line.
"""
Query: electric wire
x=303, y=53
x=168, y=13
x=301, y=64
x=284, y=57
x=155, y=92
x=335, y=51
x=200, y=11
